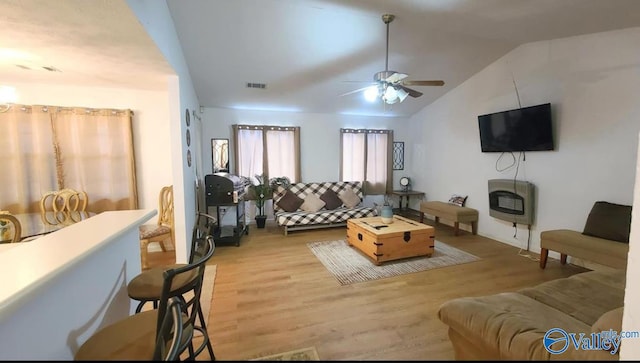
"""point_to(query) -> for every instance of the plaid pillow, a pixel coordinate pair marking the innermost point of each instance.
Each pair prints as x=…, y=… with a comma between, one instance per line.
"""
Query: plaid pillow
x=458, y=200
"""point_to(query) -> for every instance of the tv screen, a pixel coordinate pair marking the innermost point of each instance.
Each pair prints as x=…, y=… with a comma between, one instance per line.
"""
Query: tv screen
x=522, y=129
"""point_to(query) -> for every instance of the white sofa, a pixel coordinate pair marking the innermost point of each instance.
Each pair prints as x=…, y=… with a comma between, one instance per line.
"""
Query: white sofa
x=323, y=218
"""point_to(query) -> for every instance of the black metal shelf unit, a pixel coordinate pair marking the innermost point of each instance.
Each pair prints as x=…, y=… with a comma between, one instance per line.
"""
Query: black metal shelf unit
x=224, y=192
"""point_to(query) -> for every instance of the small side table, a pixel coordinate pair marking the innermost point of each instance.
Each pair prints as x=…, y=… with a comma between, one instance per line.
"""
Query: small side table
x=406, y=195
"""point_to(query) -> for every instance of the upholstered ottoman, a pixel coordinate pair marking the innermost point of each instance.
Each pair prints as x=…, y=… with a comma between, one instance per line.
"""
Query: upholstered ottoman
x=450, y=212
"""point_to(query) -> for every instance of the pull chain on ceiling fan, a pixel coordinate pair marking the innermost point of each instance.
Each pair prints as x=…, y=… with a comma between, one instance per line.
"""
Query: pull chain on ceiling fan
x=390, y=86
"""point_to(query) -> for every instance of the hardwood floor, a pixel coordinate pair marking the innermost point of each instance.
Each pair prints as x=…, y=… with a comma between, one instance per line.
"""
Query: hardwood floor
x=272, y=295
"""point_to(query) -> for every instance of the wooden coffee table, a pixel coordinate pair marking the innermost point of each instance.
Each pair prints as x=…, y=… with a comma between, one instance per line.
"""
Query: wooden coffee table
x=385, y=242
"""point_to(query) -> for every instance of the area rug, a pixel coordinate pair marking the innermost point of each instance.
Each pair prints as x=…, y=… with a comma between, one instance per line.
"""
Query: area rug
x=349, y=266
x=206, y=295
x=308, y=353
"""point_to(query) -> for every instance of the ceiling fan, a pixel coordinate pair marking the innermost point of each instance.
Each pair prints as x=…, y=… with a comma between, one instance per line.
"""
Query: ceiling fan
x=391, y=86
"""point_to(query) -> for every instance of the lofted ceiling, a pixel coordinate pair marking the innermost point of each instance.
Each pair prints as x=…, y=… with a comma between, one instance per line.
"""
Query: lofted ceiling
x=307, y=52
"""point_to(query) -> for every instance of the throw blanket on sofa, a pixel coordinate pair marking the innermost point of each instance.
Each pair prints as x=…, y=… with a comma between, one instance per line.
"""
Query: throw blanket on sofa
x=300, y=219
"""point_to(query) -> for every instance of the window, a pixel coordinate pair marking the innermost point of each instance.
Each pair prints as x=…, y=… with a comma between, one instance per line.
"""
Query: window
x=270, y=150
x=366, y=157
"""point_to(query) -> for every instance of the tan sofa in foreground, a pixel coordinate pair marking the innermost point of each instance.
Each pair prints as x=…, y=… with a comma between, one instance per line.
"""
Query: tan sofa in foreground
x=512, y=325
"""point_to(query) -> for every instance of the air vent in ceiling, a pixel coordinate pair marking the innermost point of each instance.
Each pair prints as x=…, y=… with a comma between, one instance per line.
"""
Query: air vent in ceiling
x=256, y=85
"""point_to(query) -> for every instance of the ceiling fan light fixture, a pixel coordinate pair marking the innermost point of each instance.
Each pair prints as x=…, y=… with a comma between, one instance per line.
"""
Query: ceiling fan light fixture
x=391, y=85
x=402, y=94
x=390, y=95
x=371, y=94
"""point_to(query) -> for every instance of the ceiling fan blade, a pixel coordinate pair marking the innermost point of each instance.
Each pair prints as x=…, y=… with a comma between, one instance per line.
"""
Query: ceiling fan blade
x=355, y=91
x=358, y=82
x=423, y=83
x=396, y=77
x=413, y=93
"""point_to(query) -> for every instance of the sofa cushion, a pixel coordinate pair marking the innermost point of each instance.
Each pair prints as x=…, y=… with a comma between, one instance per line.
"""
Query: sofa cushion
x=510, y=324
x=578, y=245
x=290, y=202
x=609, y=221
x=612, y=319
x=331, y=199
x=583, y=296
x=312, y=203
x=349, y=198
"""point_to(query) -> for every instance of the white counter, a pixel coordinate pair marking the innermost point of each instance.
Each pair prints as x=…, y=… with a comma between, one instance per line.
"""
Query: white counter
x=59, y=289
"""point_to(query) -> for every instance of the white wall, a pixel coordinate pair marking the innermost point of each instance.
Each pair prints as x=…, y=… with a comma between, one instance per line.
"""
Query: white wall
x=630, y=350
x=150, y=126
x=319, y=139
x=157, y=21
x=593, y=84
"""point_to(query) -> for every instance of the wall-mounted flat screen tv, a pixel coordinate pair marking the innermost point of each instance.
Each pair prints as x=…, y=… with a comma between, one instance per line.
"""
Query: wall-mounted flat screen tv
x=522, y=129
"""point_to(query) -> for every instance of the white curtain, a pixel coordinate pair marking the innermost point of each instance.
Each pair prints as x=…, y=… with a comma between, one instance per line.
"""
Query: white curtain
x=377, y=162
x=96, y=152
x=27, y=158
x=353, y=156
x=270, y=150
x=281, y=156
x=250, y=148
x=50, y=148
x=366, y=157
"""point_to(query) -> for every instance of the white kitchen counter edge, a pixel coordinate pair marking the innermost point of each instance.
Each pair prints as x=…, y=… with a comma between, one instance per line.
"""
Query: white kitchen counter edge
x=27, y=268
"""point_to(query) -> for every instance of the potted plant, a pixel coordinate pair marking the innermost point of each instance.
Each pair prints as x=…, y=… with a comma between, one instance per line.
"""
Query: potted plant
x=281, y=181
x=260, y=191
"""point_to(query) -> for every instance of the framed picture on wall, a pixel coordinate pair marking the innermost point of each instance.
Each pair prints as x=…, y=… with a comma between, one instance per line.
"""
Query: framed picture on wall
x=398, y=155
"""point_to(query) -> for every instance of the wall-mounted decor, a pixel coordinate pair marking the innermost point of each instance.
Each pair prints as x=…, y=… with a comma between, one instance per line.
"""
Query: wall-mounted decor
x=187, y=117
x=189, y=158
x=398, y=155
x=220, y=155
x=188, y=138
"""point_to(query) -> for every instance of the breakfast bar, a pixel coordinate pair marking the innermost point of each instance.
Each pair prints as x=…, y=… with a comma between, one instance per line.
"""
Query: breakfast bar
x=57, y=290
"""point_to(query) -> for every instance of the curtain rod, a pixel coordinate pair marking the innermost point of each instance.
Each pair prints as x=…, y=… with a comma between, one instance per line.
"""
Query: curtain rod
x=46, y=108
